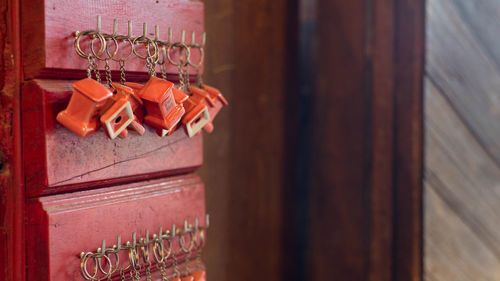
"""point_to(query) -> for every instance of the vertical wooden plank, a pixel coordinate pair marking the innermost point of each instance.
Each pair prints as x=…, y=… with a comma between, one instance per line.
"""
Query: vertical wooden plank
x=409, y=67
x=381, y=44
x=244, y=164
x=11, y=184
x=219, y=72
x=338, y=203
x=256, y=171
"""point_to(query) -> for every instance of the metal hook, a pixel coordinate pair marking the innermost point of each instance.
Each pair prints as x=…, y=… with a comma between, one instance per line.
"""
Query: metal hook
x=98, y=29
x=173, y=230
x=147, y=237
x=169, y=36
x=144, y=29
x=207, y=221
x=204, y=39
x=119, y=241
x=134, y=239
x=115, y=27
x=129, y=29
x=157, y=33
x=183, y=36
x=196, y=223
x=193, y=38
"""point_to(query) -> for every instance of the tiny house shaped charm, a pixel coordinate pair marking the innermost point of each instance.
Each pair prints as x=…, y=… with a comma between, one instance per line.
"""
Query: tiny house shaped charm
x=119, y=115
x=135, y=102
x=82, y=114
x=162, y=111
x=213, y=99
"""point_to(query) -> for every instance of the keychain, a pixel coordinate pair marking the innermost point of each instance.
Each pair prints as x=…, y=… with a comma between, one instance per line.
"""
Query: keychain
x=162, y=111
x=212, y=97
x=89, y=96
x=197, y=115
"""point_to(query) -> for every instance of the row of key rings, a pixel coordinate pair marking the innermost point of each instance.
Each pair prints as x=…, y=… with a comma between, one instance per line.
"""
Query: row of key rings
x=159, y=254
x=156, y=45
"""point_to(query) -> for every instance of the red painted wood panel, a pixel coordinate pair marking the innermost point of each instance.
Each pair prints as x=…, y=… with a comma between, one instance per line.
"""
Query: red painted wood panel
x=48, y=25
x=57, y=160
x=61, y=226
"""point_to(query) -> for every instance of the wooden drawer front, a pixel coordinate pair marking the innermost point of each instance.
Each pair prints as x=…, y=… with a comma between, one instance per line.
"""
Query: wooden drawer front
x=62, y=226
x=56, y=160
x=48, y=25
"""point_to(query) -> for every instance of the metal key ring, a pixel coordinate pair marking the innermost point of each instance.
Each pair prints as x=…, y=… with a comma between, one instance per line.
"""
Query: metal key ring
x=117, y=262
x=133, y=257
x=145, y=253
x=159, y=250
x=163, y=55
x=106, y=49
x=83, y=266
x=123, y=39
x=180, y=46
x=91, y=33
x=202, y=57
x=97, y=267
x=182, y=242
x=199, y=245
x=147, y=43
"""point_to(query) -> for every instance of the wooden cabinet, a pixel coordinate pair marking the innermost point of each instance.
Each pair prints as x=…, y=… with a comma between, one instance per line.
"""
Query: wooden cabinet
x=67, y=193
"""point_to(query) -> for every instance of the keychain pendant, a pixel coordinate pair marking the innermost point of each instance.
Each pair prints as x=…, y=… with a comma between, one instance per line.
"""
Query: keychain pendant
x=162, y=111
x=82, y=114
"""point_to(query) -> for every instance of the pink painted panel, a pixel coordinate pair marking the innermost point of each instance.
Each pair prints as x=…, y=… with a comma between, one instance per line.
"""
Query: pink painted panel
x=57, y=160
x=62, y=226
x=48, y=27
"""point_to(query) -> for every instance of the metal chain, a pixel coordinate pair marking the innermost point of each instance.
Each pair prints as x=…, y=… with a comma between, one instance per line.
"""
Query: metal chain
x=96, y=70
x=90, y=65
x=108, y=73
x=199, y=78
x=163, y=71
x=122, y=72
x=163, y=272
x=151, y=66
x=122, y=275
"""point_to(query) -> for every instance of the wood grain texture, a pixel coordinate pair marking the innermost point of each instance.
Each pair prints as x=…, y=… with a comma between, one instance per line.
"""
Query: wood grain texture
x=219, y=71
x=58, y=160
x=12, y=234
x=467, y=74
x=462, y=206
x=244, y=167
x=462, y=148
x=366, y=175
x=48, y=27
x=62, y=226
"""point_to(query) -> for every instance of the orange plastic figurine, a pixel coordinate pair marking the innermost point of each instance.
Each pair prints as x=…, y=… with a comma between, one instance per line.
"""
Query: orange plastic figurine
x=213, y=99
x=136, y=104
x=162, y=111
x=82, y=113
x=188, y=278
x=197, y=115
x=118, y=115
x=199, y=276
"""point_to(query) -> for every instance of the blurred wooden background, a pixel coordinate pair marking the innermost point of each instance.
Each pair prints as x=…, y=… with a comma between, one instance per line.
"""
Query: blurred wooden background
x=314, y=170
x=462, y=144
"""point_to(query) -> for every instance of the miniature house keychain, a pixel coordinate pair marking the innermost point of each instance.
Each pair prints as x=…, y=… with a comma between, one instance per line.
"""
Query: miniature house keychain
x=197, y=115
x=88, y=99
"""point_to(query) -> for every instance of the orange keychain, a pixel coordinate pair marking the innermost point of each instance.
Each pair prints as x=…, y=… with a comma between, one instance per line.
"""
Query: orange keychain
x=197, y=115
x=82, y=113
x=203, y=94
x=128, y=93
x=162, y=111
